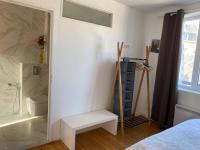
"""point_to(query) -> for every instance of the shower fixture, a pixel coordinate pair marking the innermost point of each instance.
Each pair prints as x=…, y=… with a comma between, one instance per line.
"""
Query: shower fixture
x=14, y=85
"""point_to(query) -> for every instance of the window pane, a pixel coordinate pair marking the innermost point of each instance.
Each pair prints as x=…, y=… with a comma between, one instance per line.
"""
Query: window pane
x=83, y=13
x=189, y=42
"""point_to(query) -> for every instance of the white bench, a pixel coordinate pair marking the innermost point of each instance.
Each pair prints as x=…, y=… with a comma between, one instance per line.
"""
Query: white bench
x=72, y=125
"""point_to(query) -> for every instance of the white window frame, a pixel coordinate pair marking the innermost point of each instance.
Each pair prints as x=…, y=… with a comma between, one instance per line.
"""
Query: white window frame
x=196, y=70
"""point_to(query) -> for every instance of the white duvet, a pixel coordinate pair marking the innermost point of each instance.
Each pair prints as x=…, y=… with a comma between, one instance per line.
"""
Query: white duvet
x=185, y=136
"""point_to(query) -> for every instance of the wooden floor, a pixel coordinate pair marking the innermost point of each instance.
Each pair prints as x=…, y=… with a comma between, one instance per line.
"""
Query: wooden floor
x=100, y=139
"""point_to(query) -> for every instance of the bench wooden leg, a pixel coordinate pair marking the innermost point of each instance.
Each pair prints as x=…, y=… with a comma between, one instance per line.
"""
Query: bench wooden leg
x=68, y=136
x=111, y=126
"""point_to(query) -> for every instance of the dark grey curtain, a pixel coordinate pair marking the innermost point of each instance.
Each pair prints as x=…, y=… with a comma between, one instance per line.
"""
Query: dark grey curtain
x=165, y=91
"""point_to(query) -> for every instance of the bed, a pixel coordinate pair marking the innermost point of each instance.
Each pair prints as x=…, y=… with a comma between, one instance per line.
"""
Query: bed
x=185, y=136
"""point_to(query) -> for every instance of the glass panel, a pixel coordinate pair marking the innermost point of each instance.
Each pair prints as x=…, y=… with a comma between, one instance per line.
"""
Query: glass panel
x=87, y=14
x=199, y=78
x=189, y=43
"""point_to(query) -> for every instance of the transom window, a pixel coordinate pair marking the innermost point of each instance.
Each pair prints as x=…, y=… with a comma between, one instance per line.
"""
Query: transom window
x=189, y=75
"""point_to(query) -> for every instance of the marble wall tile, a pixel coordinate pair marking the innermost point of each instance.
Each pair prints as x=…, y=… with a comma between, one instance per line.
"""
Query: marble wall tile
x=20, y=28
x=34, y=85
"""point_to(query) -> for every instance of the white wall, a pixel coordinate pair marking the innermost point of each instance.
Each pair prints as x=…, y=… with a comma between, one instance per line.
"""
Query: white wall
x=153, y=30
x=84, y=57
x=189, y=99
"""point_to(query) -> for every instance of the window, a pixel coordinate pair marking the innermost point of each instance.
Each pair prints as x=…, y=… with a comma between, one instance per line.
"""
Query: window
x=189, y=75
x=84, y=13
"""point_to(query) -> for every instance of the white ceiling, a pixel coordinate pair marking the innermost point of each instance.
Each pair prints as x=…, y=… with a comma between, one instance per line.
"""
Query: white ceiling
x=153, y=4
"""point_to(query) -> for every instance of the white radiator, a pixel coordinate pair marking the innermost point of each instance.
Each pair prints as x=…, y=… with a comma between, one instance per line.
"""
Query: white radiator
x=183, y=113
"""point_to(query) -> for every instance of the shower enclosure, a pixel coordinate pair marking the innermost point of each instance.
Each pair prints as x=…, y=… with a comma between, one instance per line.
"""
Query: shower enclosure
x=20, y=29
x=24, y=76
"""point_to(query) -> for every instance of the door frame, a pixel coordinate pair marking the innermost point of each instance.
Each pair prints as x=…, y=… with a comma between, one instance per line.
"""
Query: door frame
x=51, y=24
